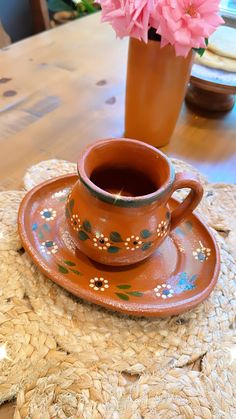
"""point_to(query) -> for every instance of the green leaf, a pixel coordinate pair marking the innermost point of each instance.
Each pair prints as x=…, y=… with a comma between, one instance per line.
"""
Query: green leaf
x=122, y=296
x=62, y=269
x=40, y=235
x=113, y=249
x=69, y=263
x=89, y=7
x=59, y=6
x=46, y=227
x=206, y=41
x=135, y=293
x=168, y=215
x=115, y=237
x=67, y=212
x=76, y=272
x=71, y=204
x=146, y=246
x=87, y=226
x=123, y=287
x=189, y=225
x=82, y=235
x=199, y=51
x=145, y=234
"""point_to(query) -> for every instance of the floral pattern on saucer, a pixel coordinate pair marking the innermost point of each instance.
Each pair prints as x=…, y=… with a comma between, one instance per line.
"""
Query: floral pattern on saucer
x=174, y=285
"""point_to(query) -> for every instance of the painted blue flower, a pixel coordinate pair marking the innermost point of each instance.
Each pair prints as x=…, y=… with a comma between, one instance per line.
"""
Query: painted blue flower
x=48, y=214
x=202, y=253
x=164, y=291
x=185, y=282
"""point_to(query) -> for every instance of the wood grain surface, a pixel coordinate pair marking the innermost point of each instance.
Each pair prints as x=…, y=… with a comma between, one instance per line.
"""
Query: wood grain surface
x=64, y=88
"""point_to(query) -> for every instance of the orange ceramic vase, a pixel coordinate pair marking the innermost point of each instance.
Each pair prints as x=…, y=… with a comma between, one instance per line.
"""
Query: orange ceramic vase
x=155, y=89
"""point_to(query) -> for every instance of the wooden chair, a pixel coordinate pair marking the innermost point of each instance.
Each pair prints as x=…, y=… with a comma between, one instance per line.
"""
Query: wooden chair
x=40, y=15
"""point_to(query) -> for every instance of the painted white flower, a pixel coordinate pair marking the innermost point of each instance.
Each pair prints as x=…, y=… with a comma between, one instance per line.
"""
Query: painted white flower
x=164, y=291
x=49, y=247
x=98, y=284
x=202, y=253
x=48, y=214
x=101, y=242
x=60, y=194
x=133, y=242
x=162, y=228
x=75, y=222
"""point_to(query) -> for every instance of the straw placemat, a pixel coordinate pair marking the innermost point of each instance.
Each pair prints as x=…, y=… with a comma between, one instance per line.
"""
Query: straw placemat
x=62, y=357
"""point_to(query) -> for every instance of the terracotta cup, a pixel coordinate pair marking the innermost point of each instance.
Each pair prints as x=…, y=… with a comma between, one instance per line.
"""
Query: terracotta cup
x=117, y=212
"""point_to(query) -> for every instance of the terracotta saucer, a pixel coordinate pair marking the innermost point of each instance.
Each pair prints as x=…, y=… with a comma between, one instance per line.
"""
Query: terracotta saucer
x=176, y=278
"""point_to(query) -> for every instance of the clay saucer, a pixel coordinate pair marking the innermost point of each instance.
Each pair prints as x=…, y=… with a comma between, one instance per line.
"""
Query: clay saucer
x=177, y=277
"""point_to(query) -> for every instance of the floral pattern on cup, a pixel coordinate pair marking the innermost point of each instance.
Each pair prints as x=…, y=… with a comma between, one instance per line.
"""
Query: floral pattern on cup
x=113, y=242
x=133, y=242
x=101, y=242
x=48, y=214
x=201, y=253
x=75, y=222
x=164, y=291
x=98, y=284
x=162, y=228
x=49, y=247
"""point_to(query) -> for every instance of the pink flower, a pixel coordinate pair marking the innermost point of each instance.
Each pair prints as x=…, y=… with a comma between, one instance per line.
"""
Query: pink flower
x=185, y=23
x=128, y=17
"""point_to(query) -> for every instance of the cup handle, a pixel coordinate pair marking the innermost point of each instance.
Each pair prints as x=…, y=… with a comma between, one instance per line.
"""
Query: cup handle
x=186, y=180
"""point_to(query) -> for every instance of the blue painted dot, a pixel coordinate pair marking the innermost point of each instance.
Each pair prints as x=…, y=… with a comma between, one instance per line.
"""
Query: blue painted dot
x=165, y=292
x=47, y=214
x=34, y=226
x=201, y=256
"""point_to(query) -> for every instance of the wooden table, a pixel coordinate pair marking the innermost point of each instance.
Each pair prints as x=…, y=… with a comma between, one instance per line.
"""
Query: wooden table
x=64, y=88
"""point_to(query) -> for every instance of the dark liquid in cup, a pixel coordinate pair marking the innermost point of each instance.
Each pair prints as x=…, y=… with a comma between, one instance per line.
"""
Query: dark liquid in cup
x=125, y=181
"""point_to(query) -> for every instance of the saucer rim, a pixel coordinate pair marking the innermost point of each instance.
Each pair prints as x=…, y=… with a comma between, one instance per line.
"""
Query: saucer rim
x=173, y=309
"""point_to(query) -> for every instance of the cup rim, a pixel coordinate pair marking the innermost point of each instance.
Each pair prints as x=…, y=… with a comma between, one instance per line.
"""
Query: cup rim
x=119, y=200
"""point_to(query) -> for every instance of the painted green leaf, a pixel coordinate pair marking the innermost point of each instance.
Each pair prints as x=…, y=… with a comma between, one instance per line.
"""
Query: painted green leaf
x=87, y=226
x=71, y=204
x=135, y=293
x=67, y=212
x=113, y=249
x=62, y=269
x=188, y=225
x=82, y=235
x=40, y=235
x=115, y=237
x=46, y=227
x=123, y=286
x=69, y=263
x=145, y=234
x=122, y=296
x=76, y=272
x=168, y=215
x=146, y=246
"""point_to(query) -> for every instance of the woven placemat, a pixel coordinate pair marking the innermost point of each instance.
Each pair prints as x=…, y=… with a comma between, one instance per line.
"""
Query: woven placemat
x=68, y=358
